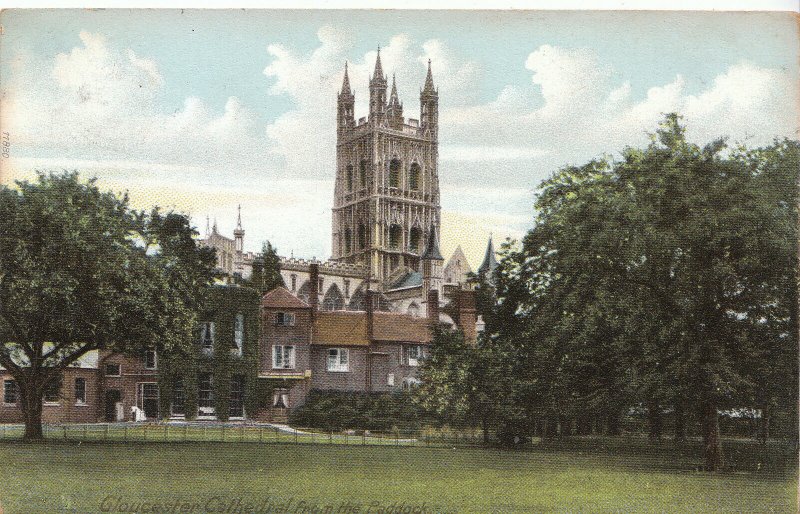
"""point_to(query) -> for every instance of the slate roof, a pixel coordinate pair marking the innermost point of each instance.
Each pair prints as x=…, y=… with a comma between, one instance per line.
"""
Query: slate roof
x=348, y=328
x=410, y=279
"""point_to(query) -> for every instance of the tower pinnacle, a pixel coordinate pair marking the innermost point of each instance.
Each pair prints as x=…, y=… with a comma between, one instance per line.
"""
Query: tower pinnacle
x=346, y=81
x=429, y=81
x=378, y=74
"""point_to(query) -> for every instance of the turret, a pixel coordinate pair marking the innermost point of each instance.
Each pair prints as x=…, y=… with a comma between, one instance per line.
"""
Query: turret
x=377, y=93
x=489, y=263
x=394, y=111
x=345, y=118
x=238, y=232
x=429, y=106
x=431, y=260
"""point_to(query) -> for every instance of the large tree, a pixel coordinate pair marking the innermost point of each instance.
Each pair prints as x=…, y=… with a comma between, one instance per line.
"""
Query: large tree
x=664, y=279
x=81, y=271
x=266, y=274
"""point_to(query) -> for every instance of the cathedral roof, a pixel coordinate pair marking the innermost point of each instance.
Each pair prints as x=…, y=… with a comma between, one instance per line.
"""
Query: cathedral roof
x=489, y=260
x=281, y=298
x=410, y=279
x=432, y=248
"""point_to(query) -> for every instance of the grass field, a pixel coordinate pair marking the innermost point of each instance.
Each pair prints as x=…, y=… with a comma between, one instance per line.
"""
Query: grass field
x=245, y=477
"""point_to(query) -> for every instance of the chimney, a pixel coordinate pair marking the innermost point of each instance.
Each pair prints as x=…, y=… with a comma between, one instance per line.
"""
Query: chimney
x=433, y=307
x=467, y=315
x=313, y=295
x=369, y=306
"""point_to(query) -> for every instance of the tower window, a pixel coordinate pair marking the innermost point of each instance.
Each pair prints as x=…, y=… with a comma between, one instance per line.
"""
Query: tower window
x=350, y=178
x=413, y=177
x=394, y=173
x=348, y=241
x=414, y=237
x=362, y=236
x=395, y=236
x=362, y=171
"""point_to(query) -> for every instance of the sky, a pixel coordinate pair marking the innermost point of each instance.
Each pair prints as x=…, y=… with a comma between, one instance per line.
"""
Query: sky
x=203, y=110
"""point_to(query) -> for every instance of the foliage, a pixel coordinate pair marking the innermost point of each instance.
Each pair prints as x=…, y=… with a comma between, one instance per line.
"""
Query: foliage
x=339, y=410
x=266, y=274
x=81, y=271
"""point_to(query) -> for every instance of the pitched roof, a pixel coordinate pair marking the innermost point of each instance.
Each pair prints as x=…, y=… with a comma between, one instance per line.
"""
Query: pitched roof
x=281, y=298
x=393, y=326
x=458, y=259
x=410, y=279
x=432, y=247
x=489, y=260
x=340, y=328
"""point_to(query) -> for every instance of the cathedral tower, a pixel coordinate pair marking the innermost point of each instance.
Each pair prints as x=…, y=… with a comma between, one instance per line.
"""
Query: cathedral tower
x=386, y=198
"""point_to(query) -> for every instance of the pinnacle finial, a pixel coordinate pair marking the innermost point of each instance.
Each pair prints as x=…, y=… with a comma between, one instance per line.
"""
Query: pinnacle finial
x=393, y=99
x=429, y=80
x=346, y=81
x=378, y=67
x=239, y=218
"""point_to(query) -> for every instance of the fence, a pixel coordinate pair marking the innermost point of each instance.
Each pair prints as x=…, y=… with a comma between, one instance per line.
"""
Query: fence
x=248, y=433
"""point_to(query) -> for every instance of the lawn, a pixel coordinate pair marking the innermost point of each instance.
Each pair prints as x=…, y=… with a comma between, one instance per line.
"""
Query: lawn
x=245, y=477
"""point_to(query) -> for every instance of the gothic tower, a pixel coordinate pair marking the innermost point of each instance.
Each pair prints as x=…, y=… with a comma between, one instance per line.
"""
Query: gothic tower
x=386, y=198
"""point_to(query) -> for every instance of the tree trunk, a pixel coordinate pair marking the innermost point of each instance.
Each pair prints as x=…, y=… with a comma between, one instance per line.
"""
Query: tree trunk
x=654, y=420
x=680, y=421
x=613, y=424
x=763, y=425
x=31, y=403
x=485, y=423
x=712, y=443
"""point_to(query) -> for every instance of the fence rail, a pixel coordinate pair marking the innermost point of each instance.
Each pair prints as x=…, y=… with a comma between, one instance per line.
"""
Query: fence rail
x=246, y=433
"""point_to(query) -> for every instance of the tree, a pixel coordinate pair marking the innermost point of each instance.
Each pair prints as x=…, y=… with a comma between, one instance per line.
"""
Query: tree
x=81, y=271
x=266, y=274
x=665, y=278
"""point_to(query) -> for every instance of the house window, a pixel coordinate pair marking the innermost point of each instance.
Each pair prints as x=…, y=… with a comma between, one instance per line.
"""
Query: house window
x=280, y=398
x=294, y=282
x=207, y=336
x=390, y=379
x=178, y=398
x=205, y=394
x=10, y=392
x=150, y=359
x=113, y=370
x=284, y=319
x=236, y=401
x=238, y=332
x=283, y=357
x=51, y=391
x=338, y=359
x=414, y=354
x=80, y=391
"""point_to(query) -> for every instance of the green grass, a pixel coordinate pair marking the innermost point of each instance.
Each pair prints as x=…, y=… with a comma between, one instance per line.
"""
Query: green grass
x=598, y=475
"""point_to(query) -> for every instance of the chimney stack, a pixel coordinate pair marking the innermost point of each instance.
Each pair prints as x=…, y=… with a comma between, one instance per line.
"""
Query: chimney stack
x=467, y=315
x=313, y=295
x=369, y=307
x=433, y=307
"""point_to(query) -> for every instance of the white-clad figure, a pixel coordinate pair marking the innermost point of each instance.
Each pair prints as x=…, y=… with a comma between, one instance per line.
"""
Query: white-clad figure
x=138, y=414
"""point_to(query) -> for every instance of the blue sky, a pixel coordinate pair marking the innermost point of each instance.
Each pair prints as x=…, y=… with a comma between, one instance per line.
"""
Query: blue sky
x=203, y=110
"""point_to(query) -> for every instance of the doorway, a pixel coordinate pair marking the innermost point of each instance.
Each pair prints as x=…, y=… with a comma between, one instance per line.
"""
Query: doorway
x=113, y=398
x=148, y=399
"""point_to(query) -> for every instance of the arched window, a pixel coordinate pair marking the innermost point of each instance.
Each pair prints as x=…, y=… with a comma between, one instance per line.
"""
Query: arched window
x=413, y=309
x=362, y=236
x=356, y=301
x=305, y=292
x=348, y=240
x=333, y=300
x=395, y=236
x=394, y=173
x=414, y=239
x=350, y=177
x=362, y=172
x=413, y=177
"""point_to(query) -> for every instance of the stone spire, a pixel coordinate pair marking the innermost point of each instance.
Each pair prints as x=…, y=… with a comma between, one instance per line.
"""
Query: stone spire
x=378, y=73
x=432, y=247
x=489, y=260
x=238, y=232
x=346, y=82
x=429, y=89
x=393, y=99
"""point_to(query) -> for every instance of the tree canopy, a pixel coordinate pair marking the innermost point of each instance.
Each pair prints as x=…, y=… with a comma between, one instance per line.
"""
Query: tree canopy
x=80, y=271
